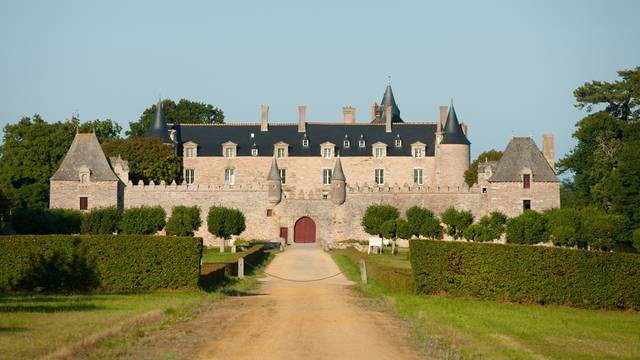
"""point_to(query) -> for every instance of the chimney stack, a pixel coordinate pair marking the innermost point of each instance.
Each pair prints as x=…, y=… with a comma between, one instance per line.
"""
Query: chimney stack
x=374, y=110
x=349, y=114
x=443, y=114
x=302, y=118
x=264, y=118
x=387, y=119
x=547, y=149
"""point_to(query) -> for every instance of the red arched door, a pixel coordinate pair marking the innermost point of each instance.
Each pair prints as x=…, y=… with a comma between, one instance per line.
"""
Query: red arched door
x=305, y=230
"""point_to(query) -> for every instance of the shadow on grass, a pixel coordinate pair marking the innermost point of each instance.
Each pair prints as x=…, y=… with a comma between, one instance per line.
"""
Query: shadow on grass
x=11, y=329
x=22, y=308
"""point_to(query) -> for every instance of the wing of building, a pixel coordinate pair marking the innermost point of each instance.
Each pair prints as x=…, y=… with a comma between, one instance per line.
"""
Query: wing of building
x=312, y=181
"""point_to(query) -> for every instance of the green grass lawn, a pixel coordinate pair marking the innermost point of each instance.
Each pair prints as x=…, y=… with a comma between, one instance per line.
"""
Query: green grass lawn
x=213, y=255
x=399, y=260
x=472, y=328
x=34, y=325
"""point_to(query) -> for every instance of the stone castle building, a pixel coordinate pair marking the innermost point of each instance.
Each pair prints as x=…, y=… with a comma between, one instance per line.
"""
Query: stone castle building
x=312, y=182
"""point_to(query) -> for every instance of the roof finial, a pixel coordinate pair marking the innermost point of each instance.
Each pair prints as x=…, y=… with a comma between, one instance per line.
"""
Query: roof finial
x=389, y=80
x=451, y=101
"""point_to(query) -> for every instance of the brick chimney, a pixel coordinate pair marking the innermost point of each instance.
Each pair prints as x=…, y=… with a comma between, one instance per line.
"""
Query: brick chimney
x=302, y=118
x=264, y=118
x=547, y=149
x=349, y=114
x=443, y=114
x=374, y=110
x=387, y=119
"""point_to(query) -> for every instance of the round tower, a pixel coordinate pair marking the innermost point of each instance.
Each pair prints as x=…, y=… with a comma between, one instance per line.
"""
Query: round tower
x=453, y=152
x=338, y=184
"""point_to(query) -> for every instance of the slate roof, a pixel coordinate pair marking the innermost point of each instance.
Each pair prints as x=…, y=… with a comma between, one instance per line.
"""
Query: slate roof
x=85, y=150
x=452, y=132
x=521, y=153
x=388, y=100
x=211, y=137
x=274, y=172
x=338, y=173
x=159, y=125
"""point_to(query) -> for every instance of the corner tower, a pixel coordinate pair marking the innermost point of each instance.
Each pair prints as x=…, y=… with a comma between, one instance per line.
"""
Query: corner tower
x=387, y=100
x=452, y=152
x=159, y=125
x=338, y=184
x=274, y=192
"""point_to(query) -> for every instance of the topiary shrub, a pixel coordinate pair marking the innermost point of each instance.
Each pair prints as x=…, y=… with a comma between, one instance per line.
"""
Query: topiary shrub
x=563, y=226
x=527, y=228
x=416, y=217
x=184, y=221
x=376, y=215
x=143, y=220
x=456, y=221
x=404, y=230
x=46, y=221
x=601, y=231
x=224, y=222
x=489, y=228
x=103, y=221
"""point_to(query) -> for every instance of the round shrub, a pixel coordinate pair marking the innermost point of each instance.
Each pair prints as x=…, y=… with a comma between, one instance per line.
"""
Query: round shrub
x=143, y=220
x=431, y=228
x=388, y=229
x=456, y=221
x=601, y=230
x=224, y=222
x=101, y=221
x=563, y=226
x=416, y=216
x=404, y=230
x=527, y=228
x=376, y=215
x=184, y=221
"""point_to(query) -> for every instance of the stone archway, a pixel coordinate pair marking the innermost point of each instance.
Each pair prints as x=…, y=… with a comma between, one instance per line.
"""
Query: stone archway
x=305, y=230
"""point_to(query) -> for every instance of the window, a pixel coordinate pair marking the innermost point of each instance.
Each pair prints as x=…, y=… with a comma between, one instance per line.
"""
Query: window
x=417, y=152
x=326, y=176
x=189, y=176
x=326, y=153
x=269, y=212
x=84, y=203
x=188, y=152
x=379, y=176
x=526, y=205
x=305, y=142
x=361, y=143
x=283, y=176
x=484, y=190
x=379, y=152
x=228, y=152
x=398, y=143
x=229, y=176
x=346, y=143
x=254, y=152
x=280, y=153
x=325, y=196
x=417, y=176
x=526, y=181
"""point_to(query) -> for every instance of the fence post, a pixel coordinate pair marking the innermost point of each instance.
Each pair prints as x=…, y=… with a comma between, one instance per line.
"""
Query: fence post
x=363, y=271
x=241, y=268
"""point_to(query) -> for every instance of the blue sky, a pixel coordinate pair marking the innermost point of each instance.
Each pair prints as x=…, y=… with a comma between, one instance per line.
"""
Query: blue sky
x=510, y=66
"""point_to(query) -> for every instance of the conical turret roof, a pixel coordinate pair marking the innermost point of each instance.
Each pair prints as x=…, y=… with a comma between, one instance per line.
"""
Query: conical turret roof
x=452, y=132
x=338, y=174
x=85, y=151
x=159, y=125
x=388, y=100
x=274, y=172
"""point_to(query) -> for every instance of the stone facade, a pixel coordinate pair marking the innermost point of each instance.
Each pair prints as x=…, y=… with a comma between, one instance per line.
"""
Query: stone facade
x=241, y=166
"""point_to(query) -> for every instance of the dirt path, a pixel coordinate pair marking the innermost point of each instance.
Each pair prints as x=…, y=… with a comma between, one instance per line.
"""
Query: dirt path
x=287, y=320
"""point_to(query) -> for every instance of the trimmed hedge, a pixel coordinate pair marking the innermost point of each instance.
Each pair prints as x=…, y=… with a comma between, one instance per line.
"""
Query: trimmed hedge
x=394, y=279
x=527, y=274
x=101, y=221
x=101, y=262
x=143, y=220
x=46, y=221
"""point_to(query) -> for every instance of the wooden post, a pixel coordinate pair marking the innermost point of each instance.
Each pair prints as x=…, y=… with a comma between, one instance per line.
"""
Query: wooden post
x=363, y=271
x=241, y=268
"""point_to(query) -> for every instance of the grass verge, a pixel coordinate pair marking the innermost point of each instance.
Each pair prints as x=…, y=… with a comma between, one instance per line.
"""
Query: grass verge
x=469, y=328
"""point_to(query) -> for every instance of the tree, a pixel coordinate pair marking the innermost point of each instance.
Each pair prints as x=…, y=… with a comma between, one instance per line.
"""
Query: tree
x=101, y=221
x=143, y=220
x=423, y=222
x=184, y=221
x=224, y=222
x=471, y=174
x=563, y=226
x=456, y=221
x=376, y=215
x=489, y=228
x=602, y=231
x=527, y=228
x=32, y=151
x=149, y=159
x=185, y=111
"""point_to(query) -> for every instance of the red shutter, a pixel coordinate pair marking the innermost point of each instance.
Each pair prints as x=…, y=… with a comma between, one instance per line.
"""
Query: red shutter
x=84, y=203
x=526, y=181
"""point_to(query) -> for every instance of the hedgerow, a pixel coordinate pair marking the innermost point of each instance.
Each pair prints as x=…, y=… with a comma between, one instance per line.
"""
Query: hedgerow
x=100, y=262
x=527, y=274
x=46, y=221
x=101, y=221
x=393, y=278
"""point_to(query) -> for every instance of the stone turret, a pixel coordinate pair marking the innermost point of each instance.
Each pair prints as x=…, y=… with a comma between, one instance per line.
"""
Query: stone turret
x=388, y=100
x=159, y=126
x=338, y=184
x=274, y=183
x=452, y=155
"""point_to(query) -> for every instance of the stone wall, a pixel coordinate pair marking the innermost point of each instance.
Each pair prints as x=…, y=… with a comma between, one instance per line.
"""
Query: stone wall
x=507, y=197
x=66, y=194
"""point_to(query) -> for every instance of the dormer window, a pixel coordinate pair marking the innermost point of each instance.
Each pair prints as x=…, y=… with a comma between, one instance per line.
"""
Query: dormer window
x=346, y=143
x=281, y=149
x=361, y=143
x=229, y=149
x=190, y=149
x=327, y=150
x=398, y=141
x=305, y=142
x=418, y=149
x=254, y=151
x=379, y=150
